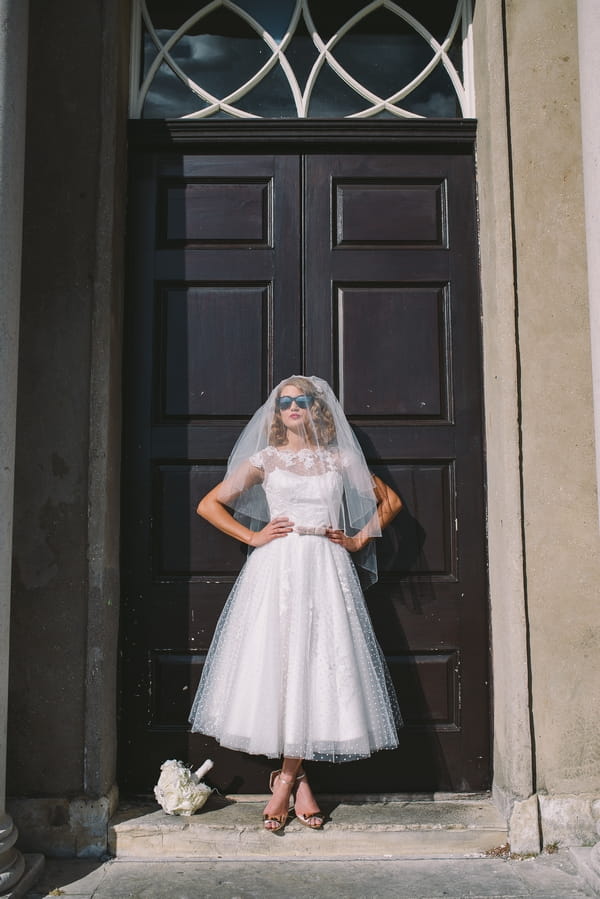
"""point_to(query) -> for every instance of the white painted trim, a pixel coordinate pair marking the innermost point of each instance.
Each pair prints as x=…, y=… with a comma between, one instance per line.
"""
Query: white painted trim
x=461, y=19
x=470, y=106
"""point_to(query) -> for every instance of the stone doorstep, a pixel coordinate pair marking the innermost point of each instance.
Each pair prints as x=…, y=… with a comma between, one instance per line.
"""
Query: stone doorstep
x=230, y=829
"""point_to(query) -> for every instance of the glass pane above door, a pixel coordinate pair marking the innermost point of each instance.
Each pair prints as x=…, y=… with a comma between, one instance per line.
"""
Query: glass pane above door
x=301, y=59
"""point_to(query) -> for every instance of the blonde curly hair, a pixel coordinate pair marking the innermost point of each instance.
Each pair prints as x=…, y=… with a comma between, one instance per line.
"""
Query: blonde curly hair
x=321, y=417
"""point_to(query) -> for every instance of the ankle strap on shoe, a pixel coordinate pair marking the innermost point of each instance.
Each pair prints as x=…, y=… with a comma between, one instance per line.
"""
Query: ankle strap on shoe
x=287, y=782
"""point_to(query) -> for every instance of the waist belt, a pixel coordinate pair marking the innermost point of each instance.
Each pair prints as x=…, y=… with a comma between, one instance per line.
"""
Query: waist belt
x=308, y=531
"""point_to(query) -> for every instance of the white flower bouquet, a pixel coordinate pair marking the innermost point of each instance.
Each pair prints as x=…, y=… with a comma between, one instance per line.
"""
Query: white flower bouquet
x=179, y=790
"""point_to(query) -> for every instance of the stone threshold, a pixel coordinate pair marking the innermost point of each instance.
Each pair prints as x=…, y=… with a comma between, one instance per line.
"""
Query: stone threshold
x=440, y=826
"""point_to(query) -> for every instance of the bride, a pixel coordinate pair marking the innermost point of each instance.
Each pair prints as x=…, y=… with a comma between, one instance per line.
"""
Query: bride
x=294, y=669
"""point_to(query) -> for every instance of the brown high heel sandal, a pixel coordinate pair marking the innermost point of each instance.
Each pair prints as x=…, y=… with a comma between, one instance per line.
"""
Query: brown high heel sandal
x=317, y=816
x=279, y=820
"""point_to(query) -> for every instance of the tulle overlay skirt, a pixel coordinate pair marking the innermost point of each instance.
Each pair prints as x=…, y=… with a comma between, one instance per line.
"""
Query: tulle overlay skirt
x=294, y=668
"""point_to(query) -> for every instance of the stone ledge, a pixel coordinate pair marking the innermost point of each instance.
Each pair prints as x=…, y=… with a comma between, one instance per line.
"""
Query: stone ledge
x=67, y=827
x=232, y=830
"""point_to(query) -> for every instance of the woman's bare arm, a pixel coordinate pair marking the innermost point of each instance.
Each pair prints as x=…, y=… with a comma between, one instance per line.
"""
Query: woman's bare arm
x=388, y=502
x=212, y=508
x=388, y=506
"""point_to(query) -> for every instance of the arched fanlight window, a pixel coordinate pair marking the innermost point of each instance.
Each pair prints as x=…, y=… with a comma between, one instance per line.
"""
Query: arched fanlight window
x=301, y=59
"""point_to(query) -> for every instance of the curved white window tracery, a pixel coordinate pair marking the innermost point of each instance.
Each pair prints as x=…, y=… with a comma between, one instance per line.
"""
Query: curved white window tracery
x=287, y=59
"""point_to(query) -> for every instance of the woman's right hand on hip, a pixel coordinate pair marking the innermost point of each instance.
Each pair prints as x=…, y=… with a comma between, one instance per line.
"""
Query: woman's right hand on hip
x=278, y=527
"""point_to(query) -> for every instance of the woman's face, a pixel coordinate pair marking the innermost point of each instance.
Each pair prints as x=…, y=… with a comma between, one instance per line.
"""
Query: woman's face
x=294, y=417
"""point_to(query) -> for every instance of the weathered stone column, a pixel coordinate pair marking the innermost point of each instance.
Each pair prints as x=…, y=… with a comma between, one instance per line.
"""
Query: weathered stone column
x=13, y=92
x=588, y=26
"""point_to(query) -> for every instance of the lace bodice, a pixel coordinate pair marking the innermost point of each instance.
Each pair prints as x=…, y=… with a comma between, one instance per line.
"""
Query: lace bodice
x=306, y=486
x=306, y=462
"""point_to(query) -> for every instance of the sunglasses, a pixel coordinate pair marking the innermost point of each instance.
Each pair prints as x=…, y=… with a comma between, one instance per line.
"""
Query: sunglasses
x=304, y=401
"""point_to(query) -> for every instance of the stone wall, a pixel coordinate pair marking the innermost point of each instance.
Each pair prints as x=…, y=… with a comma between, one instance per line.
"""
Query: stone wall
x=512, y=741
x=62, y=701
x=530, y=179
x=559, y=478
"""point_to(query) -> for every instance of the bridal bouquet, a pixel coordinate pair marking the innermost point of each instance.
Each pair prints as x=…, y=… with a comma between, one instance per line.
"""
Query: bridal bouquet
x=181, y=791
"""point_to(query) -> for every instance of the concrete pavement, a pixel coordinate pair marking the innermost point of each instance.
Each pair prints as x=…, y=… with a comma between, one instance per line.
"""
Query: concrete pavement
x=548, y=876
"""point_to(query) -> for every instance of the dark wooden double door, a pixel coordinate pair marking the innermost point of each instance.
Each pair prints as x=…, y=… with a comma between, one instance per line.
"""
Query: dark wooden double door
x=358, y=268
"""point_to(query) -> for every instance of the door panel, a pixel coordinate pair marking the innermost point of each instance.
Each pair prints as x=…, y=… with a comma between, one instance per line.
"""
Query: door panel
x=207, y=322
x=388, y=212
x=212, y=323
x=392, y=334
x=360, y=269
x=392, y=308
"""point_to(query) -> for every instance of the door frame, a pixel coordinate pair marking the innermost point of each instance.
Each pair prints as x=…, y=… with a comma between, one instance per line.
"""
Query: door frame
x=512, y=754
x=452, y=150
x=444, y=137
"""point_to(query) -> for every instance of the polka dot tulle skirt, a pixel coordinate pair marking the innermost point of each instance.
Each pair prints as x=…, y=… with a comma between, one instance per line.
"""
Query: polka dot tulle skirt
x=295, y=668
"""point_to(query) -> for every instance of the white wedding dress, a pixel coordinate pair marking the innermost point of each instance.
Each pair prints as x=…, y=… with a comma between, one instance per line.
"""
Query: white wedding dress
x=294, y=668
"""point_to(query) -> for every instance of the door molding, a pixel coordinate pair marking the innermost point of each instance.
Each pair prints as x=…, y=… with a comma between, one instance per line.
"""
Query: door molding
x=449, y=134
